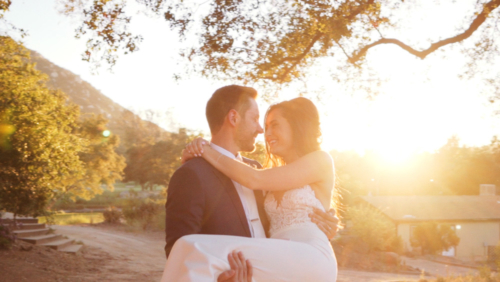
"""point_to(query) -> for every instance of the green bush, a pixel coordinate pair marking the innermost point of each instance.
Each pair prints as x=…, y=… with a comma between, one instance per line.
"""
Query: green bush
x=147, y=213
x=72, y=218
x=434, y=238
x=371, y=228
x=106, y=199
x=485, y=275
x=496, y=256
x=6, y=236
x=112, y=215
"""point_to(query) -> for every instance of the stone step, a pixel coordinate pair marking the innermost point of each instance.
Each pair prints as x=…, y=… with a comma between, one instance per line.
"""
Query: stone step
x=31, y=226
x=59, y=244
x=72, y=249
x=21, y=220
x=26, y=226
x=43, y=239
x=31, y=233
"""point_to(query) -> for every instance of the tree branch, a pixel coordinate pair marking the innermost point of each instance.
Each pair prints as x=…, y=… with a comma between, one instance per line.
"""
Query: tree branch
x=317, y=37
x=299, y=58
x=476, y=23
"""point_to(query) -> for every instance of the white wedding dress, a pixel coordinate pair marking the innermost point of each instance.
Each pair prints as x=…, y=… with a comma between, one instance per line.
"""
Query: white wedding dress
x=297, y=250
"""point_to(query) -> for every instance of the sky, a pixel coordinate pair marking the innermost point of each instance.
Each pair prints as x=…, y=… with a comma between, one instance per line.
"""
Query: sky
x=420, y=106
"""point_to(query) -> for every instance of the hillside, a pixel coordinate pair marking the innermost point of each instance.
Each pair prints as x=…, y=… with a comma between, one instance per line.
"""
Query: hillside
x=129, y=127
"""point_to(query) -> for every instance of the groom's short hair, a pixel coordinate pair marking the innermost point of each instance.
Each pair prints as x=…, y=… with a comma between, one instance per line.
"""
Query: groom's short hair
x=225, y=99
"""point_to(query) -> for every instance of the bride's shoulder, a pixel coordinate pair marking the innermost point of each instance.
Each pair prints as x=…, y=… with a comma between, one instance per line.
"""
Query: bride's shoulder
x=321, y=157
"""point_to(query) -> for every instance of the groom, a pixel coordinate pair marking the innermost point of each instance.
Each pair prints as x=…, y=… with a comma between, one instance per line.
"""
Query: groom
x=202, y=200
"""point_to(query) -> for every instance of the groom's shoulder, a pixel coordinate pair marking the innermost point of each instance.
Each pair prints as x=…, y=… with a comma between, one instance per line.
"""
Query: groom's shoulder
x=192, y=171
x=196, y=165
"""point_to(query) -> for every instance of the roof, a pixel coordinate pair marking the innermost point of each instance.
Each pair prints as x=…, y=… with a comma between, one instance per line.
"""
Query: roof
x=438, y=208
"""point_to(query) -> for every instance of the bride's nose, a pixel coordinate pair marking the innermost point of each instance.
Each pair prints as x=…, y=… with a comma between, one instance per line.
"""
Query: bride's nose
x=267, y=133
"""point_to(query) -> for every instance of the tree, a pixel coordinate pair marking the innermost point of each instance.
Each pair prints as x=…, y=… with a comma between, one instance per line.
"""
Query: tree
x=38, y=148
x=136, y=169
x=434, y=238
x=372, y=228
x=462, y=169
x=154, y=164
x=274, y=41
x=46, y=150
x=102, y=165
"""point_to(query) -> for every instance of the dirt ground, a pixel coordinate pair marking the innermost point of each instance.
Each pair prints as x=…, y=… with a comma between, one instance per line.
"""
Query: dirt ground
x=111, y=253
x=137, y=256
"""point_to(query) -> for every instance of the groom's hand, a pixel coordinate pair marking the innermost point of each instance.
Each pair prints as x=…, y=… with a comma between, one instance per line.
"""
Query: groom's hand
x=241, y=269
x=327, y=222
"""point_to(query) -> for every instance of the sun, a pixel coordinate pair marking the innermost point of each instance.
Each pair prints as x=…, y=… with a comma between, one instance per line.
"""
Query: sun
x=395, y=155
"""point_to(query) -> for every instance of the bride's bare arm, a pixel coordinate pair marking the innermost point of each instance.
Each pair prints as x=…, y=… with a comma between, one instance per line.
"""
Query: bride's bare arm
x=312, y=168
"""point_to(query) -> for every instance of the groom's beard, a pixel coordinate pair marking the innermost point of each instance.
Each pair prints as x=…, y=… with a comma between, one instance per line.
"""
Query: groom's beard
x=246, y=143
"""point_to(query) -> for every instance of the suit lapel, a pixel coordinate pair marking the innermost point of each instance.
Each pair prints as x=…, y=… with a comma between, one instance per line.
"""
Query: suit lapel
x=259, y=198
x=228, y=185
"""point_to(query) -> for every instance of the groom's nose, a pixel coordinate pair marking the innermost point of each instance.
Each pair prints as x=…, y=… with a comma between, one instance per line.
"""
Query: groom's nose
x=260, y=129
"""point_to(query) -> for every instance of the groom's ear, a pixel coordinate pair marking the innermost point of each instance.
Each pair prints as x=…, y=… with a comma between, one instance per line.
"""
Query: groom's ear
x=233, y=117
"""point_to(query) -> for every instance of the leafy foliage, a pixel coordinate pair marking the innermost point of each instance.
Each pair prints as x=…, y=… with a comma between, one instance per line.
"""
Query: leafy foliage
x=7, y=237
x=112, y=215
x=278, y=41
x=46, y=151
x=451, y=170
x=101, y=162
x=148, y=213
x=39, y=149
x=434, y=238
x=154, y=164
x=372, y=228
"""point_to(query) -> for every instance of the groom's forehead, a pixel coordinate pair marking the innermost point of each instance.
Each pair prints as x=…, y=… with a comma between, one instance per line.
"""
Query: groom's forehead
x=254, y=107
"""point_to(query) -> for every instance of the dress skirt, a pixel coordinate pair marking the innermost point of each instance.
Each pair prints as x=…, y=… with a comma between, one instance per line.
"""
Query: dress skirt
x=299, y=253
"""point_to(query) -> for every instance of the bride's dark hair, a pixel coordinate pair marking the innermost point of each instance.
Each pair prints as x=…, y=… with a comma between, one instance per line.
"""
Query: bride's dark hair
x=303, y=118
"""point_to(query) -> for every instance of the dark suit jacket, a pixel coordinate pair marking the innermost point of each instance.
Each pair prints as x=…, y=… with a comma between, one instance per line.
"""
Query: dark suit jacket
x=202, y=200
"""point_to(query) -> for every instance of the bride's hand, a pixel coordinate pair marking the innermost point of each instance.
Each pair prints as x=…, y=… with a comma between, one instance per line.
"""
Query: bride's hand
x=186, y=156
x=196, y=147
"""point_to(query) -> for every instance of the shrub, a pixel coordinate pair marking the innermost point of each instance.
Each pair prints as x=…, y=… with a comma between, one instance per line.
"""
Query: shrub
x=434, y=238
x=72, y=218
x=6, y=236
x=485, y=273
x=148, y=213
x=112, y=215
x=373, y=229
x=497, y=256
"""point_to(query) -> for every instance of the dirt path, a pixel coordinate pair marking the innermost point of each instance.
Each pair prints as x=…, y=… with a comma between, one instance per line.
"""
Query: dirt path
x=136, y=257
x=113, y=254
x=439, y=269
x=365, y=276
x=140, y=257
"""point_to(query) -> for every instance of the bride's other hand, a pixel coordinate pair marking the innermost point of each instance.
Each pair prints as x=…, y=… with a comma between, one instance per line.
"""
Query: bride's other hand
x=328, y=222
x=241, y=269
x=195, y=147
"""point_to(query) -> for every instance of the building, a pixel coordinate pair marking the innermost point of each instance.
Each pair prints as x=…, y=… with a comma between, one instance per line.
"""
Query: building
x=476, y=219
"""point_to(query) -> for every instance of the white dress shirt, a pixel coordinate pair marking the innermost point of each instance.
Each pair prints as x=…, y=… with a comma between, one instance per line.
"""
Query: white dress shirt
x=247, y=198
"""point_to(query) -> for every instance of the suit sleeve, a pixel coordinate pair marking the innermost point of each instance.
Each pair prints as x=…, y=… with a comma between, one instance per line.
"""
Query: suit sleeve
x=184, y=207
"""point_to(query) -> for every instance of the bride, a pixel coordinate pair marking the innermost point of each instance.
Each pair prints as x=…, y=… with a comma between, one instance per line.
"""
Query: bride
x=299, y=178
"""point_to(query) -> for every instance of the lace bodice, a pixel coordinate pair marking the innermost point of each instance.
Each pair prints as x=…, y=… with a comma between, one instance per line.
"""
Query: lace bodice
x=293, y=210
